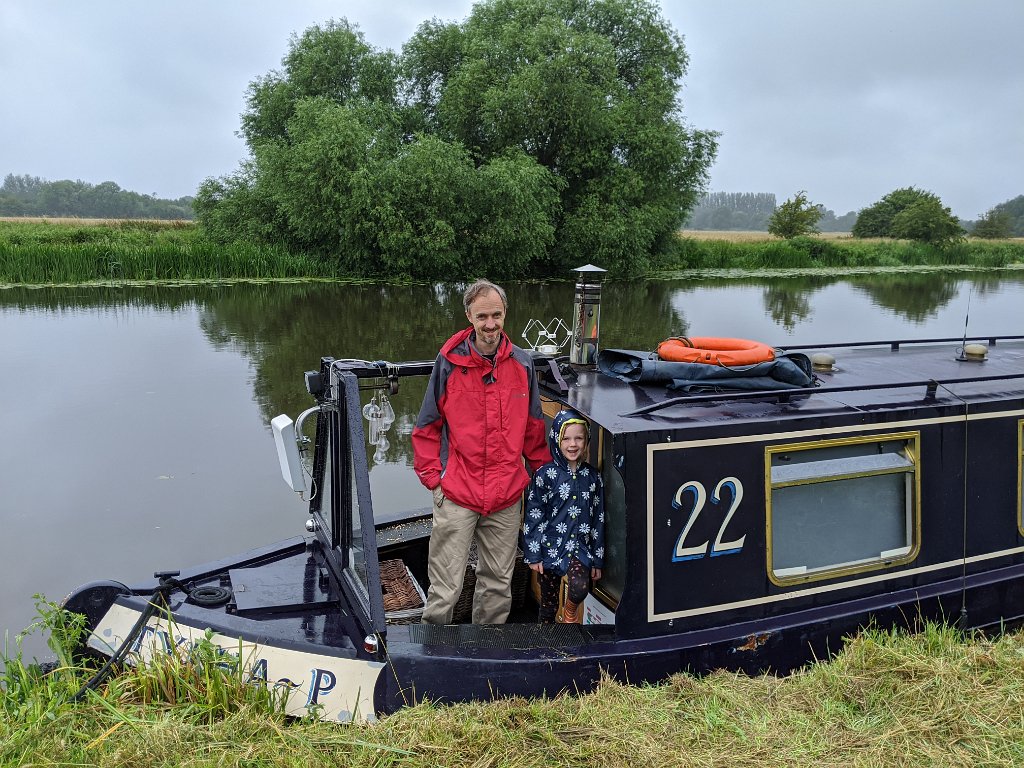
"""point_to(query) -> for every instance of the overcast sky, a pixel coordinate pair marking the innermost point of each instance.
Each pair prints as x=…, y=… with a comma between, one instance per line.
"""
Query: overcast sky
x=846, y=99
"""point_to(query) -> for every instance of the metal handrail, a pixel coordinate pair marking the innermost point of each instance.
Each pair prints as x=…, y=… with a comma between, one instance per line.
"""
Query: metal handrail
x=896, y=344
x=784, y=395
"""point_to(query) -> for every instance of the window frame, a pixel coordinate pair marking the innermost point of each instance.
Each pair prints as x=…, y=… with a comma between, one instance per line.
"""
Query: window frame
x=911, y=452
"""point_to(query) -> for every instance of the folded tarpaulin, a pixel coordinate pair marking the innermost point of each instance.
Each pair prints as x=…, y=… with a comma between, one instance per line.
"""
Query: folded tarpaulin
x=786, y=371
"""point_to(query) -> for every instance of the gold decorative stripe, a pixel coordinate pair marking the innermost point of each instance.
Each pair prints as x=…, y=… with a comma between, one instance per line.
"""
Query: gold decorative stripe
x=888, y=575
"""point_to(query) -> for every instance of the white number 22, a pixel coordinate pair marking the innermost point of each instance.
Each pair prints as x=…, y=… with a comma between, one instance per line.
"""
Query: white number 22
x=700, y=495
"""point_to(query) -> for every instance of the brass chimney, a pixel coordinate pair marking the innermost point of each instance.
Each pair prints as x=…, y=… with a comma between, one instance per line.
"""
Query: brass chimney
x=586, y=316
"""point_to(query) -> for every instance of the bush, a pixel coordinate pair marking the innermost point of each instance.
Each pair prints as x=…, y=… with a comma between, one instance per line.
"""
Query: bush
x=795, y=217
x=994, y=225
x=928, y=222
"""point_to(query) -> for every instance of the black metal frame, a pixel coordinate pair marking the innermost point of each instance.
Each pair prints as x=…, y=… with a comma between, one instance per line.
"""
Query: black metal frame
x=340, y=431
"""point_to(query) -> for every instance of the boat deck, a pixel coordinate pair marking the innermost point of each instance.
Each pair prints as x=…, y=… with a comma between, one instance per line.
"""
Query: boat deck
x=864, y=378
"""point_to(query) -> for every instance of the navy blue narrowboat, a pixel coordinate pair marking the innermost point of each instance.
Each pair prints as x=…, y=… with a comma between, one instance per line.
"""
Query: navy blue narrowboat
x=755, y=517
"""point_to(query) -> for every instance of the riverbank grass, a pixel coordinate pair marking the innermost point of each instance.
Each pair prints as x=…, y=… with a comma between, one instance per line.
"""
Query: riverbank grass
x=70, y=252
x=888, y=698
x=702, y=253
x=50, y=253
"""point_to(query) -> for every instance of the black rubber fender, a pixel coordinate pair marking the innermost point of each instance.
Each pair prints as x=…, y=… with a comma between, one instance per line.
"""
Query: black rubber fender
x=94, y=599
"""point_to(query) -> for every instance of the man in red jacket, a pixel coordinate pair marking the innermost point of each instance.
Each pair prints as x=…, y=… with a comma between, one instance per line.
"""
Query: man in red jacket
x=480, y=417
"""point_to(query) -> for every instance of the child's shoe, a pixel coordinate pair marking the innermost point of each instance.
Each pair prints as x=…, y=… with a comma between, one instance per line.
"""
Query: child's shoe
x=569, y=615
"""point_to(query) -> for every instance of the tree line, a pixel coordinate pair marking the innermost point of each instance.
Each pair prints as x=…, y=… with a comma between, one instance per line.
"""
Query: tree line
x=33, y=196
x=751, y=212
x=717, y=211
x=907, y=213
x=1003, y=220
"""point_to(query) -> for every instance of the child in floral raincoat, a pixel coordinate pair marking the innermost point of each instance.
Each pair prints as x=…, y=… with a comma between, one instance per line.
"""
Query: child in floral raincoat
x=563, y=526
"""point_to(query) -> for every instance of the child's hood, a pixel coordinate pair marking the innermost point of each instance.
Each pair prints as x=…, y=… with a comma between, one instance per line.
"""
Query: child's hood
x=558, y=424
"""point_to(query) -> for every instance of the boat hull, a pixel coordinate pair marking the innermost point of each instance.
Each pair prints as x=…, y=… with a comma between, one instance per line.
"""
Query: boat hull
x=322, y=668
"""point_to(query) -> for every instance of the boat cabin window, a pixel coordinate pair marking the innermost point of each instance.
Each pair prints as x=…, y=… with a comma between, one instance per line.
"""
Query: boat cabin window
x=842, y=506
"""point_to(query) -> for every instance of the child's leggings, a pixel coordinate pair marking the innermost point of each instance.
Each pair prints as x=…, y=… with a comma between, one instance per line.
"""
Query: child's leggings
x=579, y=586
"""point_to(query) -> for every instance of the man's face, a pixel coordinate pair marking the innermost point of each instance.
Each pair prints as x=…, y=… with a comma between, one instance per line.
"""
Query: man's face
x=487, y=314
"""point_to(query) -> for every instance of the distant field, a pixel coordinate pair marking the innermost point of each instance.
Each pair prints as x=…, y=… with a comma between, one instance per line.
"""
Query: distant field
x=737, y=236
x=74, y=221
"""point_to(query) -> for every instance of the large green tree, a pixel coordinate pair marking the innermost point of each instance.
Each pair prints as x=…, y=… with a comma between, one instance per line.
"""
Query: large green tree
x=909, y=213
x=531, y=136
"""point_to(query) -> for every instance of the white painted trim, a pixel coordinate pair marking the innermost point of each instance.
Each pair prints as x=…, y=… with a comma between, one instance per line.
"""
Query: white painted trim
x=342, y=687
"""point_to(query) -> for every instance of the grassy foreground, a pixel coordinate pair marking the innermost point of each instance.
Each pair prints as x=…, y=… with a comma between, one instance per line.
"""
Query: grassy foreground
x=889, y=698
x=56, y=252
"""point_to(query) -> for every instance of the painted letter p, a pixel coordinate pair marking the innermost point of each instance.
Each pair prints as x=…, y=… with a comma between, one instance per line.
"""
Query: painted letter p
x=323, y=681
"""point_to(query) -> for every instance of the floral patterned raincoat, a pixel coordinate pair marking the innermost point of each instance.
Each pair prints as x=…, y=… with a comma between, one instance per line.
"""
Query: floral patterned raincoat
x=564, y=510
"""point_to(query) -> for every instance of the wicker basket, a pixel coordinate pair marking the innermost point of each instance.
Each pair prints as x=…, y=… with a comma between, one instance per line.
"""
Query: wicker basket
x=403, y=597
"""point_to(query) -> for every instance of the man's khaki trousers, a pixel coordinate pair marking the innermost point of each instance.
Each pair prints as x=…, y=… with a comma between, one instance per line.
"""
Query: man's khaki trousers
x=497, y=537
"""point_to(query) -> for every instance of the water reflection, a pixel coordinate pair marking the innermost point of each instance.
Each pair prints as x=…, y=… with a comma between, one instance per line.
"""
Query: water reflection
x=915, y=299
x=284, y=329
x=136, y=423
x=788, y=304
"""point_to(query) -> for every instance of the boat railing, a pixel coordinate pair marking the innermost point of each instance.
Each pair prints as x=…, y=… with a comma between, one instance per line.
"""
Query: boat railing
x=895, y=345
x=381, y=373
x=785, y=395
x=384, y=370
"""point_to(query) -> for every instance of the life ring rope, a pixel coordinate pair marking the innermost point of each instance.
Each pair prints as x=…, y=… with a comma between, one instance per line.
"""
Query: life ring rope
x=714, y=350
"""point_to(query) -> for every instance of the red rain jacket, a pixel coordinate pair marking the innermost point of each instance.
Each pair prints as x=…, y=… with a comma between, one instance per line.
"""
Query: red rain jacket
x=477, y=422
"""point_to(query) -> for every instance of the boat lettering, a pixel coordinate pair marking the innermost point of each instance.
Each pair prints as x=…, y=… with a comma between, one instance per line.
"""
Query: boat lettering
x=323, y=682
x=698, y=498
x=147, y=636
x=152, y=639
x=258, y=671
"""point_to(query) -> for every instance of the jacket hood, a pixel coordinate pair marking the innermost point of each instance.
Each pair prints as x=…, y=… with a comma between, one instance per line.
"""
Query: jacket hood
x=563, y=419
x=460, y=351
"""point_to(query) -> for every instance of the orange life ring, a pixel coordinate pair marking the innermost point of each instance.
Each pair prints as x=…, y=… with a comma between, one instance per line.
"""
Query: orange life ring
x=714, y=351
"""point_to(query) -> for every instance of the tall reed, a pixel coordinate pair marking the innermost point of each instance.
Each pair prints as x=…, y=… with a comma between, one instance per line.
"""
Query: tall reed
x=39, y=253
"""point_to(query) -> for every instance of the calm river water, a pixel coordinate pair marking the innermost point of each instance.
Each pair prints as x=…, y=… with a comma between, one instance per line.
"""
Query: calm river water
x=135, y=420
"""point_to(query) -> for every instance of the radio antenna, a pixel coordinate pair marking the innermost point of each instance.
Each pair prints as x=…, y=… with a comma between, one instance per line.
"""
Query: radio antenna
x=967, y=319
